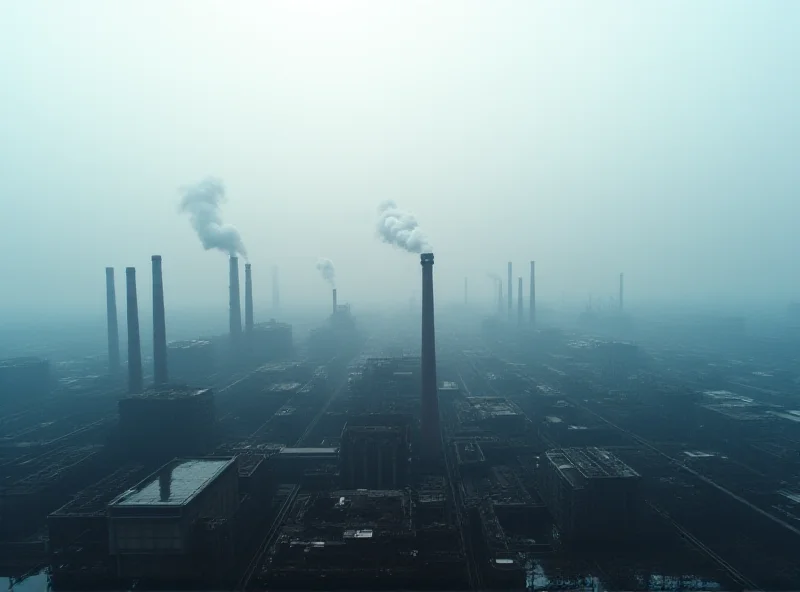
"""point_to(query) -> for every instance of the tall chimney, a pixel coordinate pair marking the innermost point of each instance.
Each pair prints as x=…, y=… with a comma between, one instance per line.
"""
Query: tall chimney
x=510, y=290
x=334, y=301
x=519, y=302
x=134, y=347
x=431, y=436
x=113, y=327
x=620, y=291
x=500, y=298
x=276, y=293
x=248, y=298
x=235, y=301
x=159, y=325
x=465, y=291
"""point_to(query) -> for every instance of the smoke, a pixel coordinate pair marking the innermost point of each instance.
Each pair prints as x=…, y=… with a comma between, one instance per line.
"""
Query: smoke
x=325, y=267
x=202, y=202
x=493, y=276
x=400, y=229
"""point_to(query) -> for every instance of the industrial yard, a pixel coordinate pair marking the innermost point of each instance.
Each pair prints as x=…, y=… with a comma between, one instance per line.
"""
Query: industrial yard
x=505, y=456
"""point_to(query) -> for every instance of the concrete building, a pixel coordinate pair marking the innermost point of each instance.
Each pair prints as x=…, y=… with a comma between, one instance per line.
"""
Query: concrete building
x=375, y=452
x=591, y=493
x=167, y=422
x=174, y=525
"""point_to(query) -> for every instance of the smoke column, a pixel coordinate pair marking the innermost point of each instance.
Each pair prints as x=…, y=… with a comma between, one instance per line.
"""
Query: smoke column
x=400, y=229
x=328, y=272
x=202, y=202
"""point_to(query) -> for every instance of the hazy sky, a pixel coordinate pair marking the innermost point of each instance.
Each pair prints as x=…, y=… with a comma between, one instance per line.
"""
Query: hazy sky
x=661, y=139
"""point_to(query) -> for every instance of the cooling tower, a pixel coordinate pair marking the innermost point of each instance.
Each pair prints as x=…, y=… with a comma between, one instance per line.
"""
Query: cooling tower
x=431, y=436
x=134, y=347
x=159, y=325
x=113, y=327
x=235, y=301
x=248, y=298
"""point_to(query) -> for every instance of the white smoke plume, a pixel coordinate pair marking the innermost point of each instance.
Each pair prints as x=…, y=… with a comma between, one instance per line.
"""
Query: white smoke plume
x=202, y=202
x=493, y=276
x=400, y=229
x=325, y=267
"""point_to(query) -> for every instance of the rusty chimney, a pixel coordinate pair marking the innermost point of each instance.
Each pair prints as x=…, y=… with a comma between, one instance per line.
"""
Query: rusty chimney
x=620, y=291
x=510, y=291
x=431, y=436
x=134, y=347
x=235, y=300
x=532, y=318
x=248, y=298
x=519, y=302
x=159, y=325
x=113, y=327
x=334, y=301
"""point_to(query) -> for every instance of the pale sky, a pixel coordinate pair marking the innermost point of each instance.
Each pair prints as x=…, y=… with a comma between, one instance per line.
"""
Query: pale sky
x=658, y=138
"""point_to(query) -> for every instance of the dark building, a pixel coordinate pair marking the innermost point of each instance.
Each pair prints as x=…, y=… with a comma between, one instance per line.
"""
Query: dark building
x=175, y=524
x=167, y=422
x=591, y=493
x=24, y=378
x=375, y=452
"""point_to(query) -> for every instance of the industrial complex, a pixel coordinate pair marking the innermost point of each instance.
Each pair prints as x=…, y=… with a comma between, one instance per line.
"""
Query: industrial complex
x=518, y=450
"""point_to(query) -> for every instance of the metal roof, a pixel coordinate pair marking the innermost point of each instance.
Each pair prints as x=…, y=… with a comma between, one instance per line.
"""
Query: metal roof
x=175, y=484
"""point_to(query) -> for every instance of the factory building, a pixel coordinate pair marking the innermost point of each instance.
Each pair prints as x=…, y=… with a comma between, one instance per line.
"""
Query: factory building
x=190, y=361
x=175, y=524
x=167, y=422
x=24, y=378
x=375, y=452
x=591, y=493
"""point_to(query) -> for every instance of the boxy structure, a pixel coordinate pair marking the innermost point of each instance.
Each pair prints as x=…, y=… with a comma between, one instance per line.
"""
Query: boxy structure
x=375, y=452
x=175, y=524
x=167, y=422
x=591, y=493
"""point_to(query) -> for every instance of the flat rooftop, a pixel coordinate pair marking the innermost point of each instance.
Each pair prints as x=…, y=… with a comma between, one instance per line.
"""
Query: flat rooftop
x=580, y=464
x=172, y=392
x=174, y=484
x=291, y=451
x=494, y=407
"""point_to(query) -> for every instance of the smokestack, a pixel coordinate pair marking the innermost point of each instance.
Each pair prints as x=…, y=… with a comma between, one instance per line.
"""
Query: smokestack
x=519, y=302
x=235, y=301
x=465, y=290
x=500, y=297
x=620, y=291
x=159, y=325
x=431, y=436
x=510, y=289
x=532, y=318
x=334, y=301
x=113, y=327
x=248, y=298
x=276, y=294
x=134, y=347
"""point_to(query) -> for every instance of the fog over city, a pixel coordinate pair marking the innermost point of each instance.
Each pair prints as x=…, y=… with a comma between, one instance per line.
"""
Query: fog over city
x=658, y=139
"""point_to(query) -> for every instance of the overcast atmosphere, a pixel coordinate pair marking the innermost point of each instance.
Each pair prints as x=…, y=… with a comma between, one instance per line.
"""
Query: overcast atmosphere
x=659, y=139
